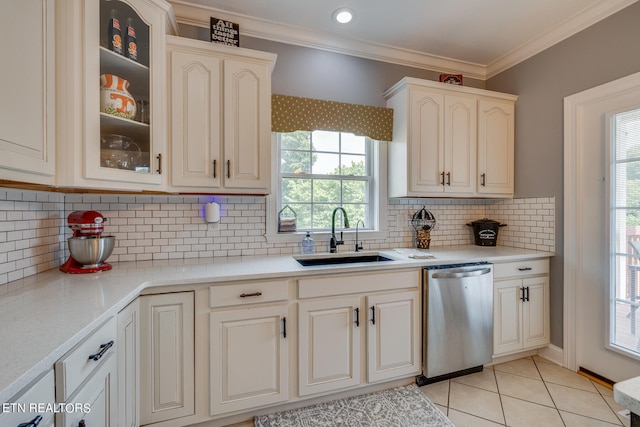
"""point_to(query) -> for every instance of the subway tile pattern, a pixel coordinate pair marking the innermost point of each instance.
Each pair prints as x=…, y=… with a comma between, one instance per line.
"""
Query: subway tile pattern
x=31, y=233
x=152, y=227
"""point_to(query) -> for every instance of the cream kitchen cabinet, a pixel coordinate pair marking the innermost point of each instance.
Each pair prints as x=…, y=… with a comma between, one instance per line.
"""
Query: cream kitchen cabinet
x=220, y=106
x=40, y=392
x=102, y=149
x=249, y=336
x=443, y=135
x=86, y=379
x=27, y=88
x=495, y=147
x=520, y=306
x=129, y=365
x=348, y=314
x=167, y=372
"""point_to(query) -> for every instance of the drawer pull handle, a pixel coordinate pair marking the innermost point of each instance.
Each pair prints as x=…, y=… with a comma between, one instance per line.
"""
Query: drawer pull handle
x=103, y=349
x=159, y=170
x=33, y=423
x=525, y=268
x=255, y=294
x=215, y=166
x=357, y=310
x=373, y=314
x=229, y=169
x=449, y=178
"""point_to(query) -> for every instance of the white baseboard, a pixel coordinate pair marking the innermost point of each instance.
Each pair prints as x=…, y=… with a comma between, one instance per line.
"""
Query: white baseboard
x=553, y=353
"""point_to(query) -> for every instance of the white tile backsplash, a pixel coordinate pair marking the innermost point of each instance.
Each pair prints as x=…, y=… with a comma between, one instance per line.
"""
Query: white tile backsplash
x=33, y=228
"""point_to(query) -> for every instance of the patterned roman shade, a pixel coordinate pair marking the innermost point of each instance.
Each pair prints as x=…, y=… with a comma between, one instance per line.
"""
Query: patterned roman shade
x=291, y=113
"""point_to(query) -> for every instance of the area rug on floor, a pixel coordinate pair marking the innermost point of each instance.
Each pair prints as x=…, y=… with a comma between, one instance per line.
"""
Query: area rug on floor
x=398, y=407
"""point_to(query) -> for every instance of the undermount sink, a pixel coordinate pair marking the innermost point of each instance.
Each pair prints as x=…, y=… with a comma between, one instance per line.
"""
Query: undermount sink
x=333, y=259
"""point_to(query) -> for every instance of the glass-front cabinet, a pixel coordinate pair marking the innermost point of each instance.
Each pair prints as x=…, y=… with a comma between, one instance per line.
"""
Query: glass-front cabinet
x=114, y=131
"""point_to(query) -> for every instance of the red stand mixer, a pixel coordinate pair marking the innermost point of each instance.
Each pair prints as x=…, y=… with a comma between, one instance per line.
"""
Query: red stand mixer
x=88, y=248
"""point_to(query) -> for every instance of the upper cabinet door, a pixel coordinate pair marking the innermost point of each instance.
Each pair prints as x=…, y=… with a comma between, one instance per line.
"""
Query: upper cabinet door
x=426, y=135
x=27, y=132
x=460, y=144
x=195, y=119
x=247, y=125
x=495, y=147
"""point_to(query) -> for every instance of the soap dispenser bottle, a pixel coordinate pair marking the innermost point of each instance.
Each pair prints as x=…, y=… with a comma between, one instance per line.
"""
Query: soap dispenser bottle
x=307, y=244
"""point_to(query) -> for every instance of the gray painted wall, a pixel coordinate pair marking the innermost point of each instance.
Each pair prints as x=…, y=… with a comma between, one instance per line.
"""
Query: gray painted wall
x=603, y=52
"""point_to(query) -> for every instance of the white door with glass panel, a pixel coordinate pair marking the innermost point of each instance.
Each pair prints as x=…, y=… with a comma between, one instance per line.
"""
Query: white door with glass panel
x=602, y=271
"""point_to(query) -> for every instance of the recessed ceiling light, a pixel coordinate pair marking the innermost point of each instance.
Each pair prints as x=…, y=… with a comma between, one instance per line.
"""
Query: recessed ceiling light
x=343, y=15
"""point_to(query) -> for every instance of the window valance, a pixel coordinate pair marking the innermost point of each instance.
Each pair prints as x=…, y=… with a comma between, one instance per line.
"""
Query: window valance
x=291, y=113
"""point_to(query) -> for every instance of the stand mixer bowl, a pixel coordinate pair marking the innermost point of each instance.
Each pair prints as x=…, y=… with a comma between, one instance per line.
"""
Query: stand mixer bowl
x=91, y=251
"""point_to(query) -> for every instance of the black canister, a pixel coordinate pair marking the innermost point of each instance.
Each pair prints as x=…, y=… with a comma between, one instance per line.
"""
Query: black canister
x=485, y=231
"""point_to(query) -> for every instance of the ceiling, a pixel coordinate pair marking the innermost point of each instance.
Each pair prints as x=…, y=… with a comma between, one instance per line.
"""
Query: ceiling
x=478, y=38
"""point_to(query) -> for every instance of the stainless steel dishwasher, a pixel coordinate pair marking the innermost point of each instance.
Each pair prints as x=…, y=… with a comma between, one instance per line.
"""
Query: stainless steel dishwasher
x=458, y=320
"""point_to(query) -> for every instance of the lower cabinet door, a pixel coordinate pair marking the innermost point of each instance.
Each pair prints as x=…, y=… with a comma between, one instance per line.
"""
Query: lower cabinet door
x=329, y=344
x=166, y=357
x=507, y=316
x=95, y=402
x=535, y=313
x=129, y=365
x=249, y=353
x=394, y=335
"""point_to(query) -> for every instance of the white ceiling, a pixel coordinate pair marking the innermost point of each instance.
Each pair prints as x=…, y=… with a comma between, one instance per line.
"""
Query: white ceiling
x=478, y=38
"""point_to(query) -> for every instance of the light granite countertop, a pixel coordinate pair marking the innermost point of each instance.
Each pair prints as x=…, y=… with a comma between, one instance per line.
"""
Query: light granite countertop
x=45, y=315
x=627, y=394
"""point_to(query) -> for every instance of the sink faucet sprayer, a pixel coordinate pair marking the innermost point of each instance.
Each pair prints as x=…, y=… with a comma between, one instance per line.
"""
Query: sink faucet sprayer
x=333, y=242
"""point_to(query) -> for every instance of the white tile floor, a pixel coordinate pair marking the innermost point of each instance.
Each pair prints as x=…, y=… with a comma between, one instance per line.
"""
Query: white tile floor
x=526, y=392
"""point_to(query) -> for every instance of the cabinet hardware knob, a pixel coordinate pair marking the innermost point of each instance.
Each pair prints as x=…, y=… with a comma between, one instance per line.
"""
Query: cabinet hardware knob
x=373, y=314
x=441, y=178
x=526, y=298
x=215, y=164
x=449, y=178
x=33, y=423
x=524, y=269
x=357, y=310
x=103, y=349
x=228, y=168
x=254, y=294
x=522, y=294
x=159, y=157
x=284, y=327
x=483, y=177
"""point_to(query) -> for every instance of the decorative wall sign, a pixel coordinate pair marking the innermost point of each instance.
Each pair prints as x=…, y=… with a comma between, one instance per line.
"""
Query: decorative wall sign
x=454, y=79
x=225, y=32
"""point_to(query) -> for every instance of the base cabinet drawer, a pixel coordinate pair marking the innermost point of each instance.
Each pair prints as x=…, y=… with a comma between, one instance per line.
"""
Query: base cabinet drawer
x=80, y=362
x=27, y=405
x=95, y=402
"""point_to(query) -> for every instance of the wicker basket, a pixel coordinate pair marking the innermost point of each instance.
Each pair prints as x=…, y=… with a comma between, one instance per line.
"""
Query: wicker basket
x=423, y=238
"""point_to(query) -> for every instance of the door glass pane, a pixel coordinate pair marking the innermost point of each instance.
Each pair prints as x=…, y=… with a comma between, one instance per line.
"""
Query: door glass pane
x=625, y=215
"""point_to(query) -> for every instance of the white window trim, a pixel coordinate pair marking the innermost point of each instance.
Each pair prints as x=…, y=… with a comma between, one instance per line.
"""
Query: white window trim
x=321, y=238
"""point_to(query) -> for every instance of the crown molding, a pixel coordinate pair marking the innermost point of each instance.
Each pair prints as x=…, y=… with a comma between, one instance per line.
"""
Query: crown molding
x=198, y=15
x=580, y=21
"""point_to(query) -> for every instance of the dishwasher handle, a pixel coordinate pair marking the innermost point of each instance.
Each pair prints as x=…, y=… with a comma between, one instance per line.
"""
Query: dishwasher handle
x=460, y=274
